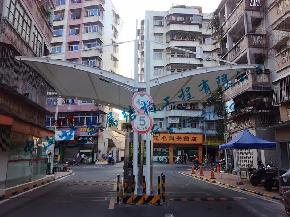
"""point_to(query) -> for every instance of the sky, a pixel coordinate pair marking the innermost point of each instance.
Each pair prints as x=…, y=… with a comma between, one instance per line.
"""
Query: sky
x=130, y=10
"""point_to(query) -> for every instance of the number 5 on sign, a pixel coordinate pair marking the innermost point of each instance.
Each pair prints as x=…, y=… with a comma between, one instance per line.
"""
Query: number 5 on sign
x=142, y=123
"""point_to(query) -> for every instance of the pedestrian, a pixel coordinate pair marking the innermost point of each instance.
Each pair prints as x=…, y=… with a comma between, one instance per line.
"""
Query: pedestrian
x=82, y=158
x=185, y=158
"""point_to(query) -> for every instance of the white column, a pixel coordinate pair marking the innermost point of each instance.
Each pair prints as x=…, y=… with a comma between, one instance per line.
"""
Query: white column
x=148, y=136
x=135, y=135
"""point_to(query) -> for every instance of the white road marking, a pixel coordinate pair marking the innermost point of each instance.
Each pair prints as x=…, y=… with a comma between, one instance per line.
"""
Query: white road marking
x=169, y=215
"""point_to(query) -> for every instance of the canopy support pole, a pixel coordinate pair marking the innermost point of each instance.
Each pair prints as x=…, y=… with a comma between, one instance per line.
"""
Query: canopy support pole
x=148, y=135
x=135, y=134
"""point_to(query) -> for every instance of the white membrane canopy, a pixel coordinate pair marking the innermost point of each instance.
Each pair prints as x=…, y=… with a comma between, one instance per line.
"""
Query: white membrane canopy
x=76, y=80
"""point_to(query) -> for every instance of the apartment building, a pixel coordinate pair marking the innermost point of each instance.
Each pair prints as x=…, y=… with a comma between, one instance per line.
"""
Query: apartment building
x=181, y=40
x=278, y=23
x=80, y=30
x=181, y=27
x=84, y=32
x=25, y=30
x=243, y=39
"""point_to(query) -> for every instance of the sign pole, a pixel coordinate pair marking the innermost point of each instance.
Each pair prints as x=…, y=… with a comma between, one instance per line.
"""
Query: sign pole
x=148, y=135
x=135, y=134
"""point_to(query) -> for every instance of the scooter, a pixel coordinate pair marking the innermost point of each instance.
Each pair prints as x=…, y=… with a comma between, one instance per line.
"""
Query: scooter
x=257, y=176
x=271, y=178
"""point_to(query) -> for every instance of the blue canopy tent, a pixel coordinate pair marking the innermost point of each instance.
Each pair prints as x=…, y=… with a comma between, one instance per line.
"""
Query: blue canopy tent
x=246, y=140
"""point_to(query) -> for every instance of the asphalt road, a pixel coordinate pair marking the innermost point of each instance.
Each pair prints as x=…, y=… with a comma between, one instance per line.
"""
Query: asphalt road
x=90, y=192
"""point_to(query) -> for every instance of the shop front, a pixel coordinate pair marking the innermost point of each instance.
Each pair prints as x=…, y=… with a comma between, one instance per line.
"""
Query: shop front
x=283, y=141
x=24, y=150
x=77, y=144
x=177, y=144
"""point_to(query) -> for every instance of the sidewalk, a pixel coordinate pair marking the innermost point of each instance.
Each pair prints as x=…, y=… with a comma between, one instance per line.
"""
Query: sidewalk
x=230, y=181
x=12, y=191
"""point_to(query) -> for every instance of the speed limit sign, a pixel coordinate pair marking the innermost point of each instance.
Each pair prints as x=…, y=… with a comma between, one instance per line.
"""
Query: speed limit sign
x=142, y=123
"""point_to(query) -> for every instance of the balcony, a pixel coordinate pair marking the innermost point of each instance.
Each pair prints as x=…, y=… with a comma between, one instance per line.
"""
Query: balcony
x=283, y=59
x=247, y=41
x=184, y=27
x=279, y=16
x=178, y=113
x=183, y=44
x=183, y=60
x=92, y=19
x=254, y=82
x=91, y=35
x=91, y=53
x=236, y=14
x=93, y=3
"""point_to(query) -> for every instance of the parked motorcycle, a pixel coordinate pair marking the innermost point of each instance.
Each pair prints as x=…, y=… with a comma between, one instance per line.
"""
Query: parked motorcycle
x=257, y=175
x=268, y=176
x=271, y=178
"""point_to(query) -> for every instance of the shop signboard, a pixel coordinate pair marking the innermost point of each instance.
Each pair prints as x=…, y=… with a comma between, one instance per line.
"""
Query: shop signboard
x=64, y=135
x=87, y=131
x=178, y=139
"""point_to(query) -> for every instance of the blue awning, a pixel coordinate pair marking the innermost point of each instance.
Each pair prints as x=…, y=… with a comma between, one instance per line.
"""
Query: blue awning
x=246, y=140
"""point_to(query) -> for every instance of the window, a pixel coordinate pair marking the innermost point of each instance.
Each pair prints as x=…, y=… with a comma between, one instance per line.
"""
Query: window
x=73, y=46
x=19, y=19
x=89, y=44
x=92, y=11
x=158, y=37
x=74, y=30
x=158, y=71
x=57, y=31
x=76, y=1
x=92, y=27
x=37, y=42
x=75, y=14
x=59, y=2
x=92, y=61
x=158, y=54
x=56, y=48
x=158, y=21
x=58, y=15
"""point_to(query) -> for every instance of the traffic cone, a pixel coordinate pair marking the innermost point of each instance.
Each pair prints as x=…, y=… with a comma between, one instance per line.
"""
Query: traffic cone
x=201, y=172
x=212, y=174
x=192, y=170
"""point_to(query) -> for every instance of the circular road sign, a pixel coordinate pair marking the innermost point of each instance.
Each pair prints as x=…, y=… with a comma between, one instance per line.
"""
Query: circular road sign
x=142, y=123
x=138, y=100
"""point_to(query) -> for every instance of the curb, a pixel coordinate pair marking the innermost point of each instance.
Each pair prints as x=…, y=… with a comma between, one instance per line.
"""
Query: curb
x=212, y=181
x=10, y=192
